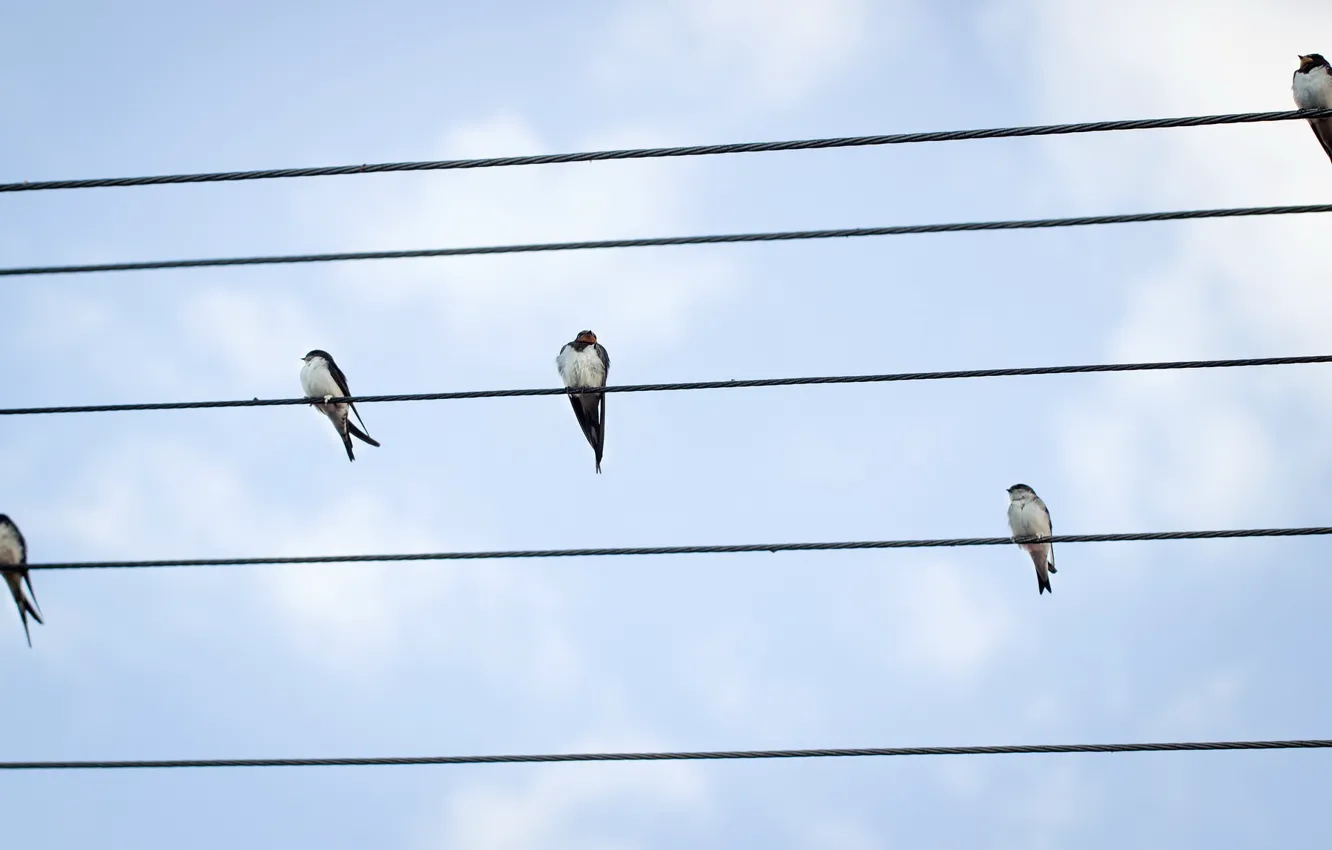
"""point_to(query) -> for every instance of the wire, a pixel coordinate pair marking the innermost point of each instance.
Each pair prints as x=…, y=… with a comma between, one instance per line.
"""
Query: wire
x=714, y=755
x=660, y=241
x=695, y=385
x=1228, y=534
x=661, y=153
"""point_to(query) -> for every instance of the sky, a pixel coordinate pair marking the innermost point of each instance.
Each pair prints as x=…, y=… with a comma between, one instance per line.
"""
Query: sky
x=1139, y=642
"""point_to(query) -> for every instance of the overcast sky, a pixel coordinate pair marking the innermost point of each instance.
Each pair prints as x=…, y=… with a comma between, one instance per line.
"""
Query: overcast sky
x=1168, y=641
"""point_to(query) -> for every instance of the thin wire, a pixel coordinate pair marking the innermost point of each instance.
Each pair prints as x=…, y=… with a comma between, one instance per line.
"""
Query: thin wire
x=694, y=385
x=712, y=755
x=954, y=542
x=661, y=153
x=661, y=241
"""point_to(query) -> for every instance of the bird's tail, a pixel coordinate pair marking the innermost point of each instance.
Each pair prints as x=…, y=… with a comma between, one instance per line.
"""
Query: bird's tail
x=346, y=440
x=361, y=435
x=601, y=429
x=25, y=605
x=1042, y=572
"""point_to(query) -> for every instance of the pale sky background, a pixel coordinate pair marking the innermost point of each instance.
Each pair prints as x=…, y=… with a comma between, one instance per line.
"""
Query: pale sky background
x=1179, y=641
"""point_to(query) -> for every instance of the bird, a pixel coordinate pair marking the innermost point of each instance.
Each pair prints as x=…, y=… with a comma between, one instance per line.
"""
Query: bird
x=1312, y=87
x=321, y=378
x=13, y=557
x=1029, y=517
x=584, y=363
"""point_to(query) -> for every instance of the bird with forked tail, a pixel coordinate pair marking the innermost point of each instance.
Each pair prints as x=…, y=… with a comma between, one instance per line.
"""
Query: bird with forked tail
x=13, y=555
x=585, y=363
x=322, y=379
x=1312, y=87
x=1029, y=517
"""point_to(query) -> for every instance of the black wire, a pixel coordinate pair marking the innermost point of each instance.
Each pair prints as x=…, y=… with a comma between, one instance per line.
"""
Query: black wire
x=1019, y=749
x=660, y=153
x=661, y=241
x=694, y=550
x=696, y=385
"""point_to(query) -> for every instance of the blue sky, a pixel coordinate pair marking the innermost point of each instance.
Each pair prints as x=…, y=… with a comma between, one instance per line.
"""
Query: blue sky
x=1183, y=641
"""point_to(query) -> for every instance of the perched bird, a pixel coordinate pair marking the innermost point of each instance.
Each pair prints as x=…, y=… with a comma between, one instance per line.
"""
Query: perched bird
x=1029, y=517
x=584, y=363
x=321, y=378
x=13, y=555
x=1312, y=87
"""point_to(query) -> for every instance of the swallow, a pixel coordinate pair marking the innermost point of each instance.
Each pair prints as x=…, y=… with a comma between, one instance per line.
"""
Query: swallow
x=1312, y=87
x=1029, y=517
x=321, y=378
x=13, y=555
x=584, y=363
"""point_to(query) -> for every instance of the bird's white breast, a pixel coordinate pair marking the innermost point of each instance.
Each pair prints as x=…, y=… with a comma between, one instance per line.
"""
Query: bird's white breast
x=581, y=368
x=317, y=382
x=1025, y=518
x=1313, y=90
x=11, y=551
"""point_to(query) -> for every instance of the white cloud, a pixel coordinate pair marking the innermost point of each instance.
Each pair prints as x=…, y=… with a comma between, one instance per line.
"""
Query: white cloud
x=154, y=498
x=829, y=834
x=144, y=498
x=1241, y=288
x=949, y=622
x=360, y=621
x=568, y=806
x=1166, y=452
x=253, y=338
x=645, y=301
x=1201, y=708
x=774, y=51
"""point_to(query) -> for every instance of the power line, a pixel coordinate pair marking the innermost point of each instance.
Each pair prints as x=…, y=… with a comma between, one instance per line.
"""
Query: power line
x=696, y=385
x=711, y=755
x=662, y=241
x=667, y=152
x=954, y=542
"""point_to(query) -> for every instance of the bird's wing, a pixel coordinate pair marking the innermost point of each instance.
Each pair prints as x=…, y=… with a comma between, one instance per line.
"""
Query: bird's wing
x=338, y=378
x=32, y=594
x=362, y=433
x=1322, y=128
x=601, y=430
x=341, y=380
x=1049, y=532
x=588, y=424
x=605, y=363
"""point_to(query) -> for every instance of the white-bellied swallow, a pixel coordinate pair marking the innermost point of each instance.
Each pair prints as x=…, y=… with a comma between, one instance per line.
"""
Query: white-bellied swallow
x=584, y=363
x=1312, y=87
x=13, y=557
x=1029, y=517
x=321, y=378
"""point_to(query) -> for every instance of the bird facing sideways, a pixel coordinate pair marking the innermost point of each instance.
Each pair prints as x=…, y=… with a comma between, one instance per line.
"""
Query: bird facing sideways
x=584, y=363
x=13, y=555
x=321, y=378
x=1029, y=517
x=1312, y=87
